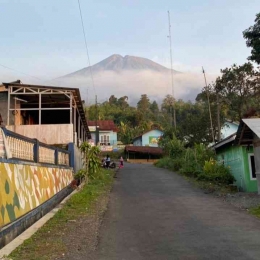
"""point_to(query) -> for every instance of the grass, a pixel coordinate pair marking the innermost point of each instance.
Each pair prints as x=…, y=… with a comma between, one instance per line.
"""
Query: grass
x=207, y=186
x=47, y=242
x=255, y=211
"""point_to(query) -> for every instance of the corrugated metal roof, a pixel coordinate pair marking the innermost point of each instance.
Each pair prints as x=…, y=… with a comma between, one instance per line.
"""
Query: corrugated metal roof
x=253, y=124
x=224, y=141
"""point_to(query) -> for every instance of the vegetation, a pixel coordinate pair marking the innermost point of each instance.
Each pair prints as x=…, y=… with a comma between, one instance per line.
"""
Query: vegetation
x=91, y=162
x=197, y=162
x=252, y=36
x=51, y=236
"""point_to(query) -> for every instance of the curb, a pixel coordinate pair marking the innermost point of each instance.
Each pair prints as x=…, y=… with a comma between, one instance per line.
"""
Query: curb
x=9, y=248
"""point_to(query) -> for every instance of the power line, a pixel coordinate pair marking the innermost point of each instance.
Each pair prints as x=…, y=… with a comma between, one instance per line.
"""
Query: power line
x=170, y=40
x=20, y=72
x=86, y=45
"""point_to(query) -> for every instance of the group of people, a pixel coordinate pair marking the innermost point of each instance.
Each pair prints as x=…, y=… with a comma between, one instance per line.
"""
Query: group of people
x=106, y=162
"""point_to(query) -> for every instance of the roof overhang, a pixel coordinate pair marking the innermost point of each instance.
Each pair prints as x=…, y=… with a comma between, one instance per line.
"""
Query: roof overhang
x=247, y=130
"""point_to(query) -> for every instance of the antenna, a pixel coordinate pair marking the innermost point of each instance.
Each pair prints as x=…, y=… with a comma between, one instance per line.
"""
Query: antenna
x=210, y=117
x=170, y=40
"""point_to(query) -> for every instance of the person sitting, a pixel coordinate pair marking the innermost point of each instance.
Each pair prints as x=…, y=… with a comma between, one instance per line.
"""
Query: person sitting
x=107, y=161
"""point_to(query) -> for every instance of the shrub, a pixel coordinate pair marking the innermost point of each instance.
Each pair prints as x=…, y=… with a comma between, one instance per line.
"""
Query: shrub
x=216, y=173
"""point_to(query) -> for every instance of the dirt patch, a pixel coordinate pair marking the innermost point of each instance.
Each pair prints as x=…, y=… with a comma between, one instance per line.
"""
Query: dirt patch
x=81, y=237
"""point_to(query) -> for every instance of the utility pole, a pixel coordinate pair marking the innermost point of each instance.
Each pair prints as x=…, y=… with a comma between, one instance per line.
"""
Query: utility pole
x=210, y=117
x=172, y=105
x=218, y=117
x=96, y=117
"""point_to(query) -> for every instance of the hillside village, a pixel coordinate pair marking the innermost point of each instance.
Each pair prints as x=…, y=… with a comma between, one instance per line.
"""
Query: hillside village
x=171, y=163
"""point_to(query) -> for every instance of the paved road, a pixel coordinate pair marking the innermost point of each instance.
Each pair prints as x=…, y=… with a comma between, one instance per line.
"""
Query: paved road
x=154, y=214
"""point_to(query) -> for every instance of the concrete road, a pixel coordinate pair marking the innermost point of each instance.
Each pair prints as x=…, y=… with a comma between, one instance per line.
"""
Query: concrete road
x=155, y=214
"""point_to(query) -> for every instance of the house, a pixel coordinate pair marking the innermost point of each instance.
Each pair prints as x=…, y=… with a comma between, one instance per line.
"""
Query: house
x=248, y=135
x=52, y=115
x=149, y=138
x=238, y=151
x=104, y=133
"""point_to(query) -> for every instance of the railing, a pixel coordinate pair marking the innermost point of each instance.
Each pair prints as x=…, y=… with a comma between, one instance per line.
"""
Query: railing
x=24, y=148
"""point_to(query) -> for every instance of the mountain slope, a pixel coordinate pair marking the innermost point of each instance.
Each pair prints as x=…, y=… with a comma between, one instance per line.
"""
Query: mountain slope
x=118, y=63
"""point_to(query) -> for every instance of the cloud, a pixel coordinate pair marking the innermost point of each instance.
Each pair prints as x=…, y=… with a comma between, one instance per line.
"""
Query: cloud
x=135, y=83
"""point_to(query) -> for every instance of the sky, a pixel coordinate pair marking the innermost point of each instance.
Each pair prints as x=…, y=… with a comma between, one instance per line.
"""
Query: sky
x=44, y=38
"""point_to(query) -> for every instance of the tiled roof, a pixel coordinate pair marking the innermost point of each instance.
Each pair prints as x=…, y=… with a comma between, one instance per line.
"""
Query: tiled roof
x=104, y=125
x=144, y=149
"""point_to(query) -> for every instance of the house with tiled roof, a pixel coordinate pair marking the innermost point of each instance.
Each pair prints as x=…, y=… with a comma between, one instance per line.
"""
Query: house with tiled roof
x=104, y=133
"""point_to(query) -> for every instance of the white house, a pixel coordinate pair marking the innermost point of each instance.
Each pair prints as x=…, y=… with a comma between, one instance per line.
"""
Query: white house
x=104, y=133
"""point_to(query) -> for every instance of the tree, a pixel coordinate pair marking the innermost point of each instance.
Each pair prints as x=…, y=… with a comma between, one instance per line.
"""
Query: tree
x=113, y=100
x=143, y=104
x=238, y=87
x=252, y=36
x=154, y=107
x=122, y=102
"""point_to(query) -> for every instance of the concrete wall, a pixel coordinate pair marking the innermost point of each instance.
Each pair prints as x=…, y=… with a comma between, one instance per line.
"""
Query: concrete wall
x=151, y=138
x=78, y=159
x=48, y=134
x=24, y=187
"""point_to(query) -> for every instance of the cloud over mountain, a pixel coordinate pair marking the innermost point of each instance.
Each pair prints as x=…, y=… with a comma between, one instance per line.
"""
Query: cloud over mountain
x=132, y=76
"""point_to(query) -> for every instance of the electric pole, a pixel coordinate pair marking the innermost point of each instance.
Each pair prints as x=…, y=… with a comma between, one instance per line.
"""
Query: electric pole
x=170, y=40
x=96, y=117
x=210, y=117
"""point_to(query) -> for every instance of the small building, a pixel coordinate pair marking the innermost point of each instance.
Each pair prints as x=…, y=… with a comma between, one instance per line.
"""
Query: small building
x=150, y=138
x=248, y=135
x=240, y=159
x=104, y=133
x=239, y=152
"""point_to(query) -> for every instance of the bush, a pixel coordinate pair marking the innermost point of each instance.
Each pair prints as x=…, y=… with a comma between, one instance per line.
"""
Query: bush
x=165, y=162
x=216, y=173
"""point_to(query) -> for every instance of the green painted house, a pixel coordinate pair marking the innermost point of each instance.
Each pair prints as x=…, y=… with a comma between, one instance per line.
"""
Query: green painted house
x=241, y=152
x=240, y=159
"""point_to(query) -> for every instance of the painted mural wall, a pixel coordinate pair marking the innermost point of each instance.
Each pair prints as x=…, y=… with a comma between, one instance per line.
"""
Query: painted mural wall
x=24, y=187
x=151, y=138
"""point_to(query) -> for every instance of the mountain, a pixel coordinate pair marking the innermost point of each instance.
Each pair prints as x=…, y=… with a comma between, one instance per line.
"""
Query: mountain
x=131, y=76
x=118, y=63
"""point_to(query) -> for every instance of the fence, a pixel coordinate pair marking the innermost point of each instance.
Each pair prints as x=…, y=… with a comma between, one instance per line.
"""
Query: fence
x=24, y=148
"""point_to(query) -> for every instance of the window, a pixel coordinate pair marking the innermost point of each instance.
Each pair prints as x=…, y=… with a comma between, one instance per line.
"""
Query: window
x=104, y=140
x=251, y=161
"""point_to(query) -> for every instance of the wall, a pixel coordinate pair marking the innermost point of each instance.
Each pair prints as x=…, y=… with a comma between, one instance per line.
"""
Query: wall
x=78, y=158
x=251, y=185
x=3, y=108
x=24, y=187
x=232, y=157
x=151, y=138
x=236, y=157
x=49, y=134
x=138, y=141
x=257, y=160
x=228, y=129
